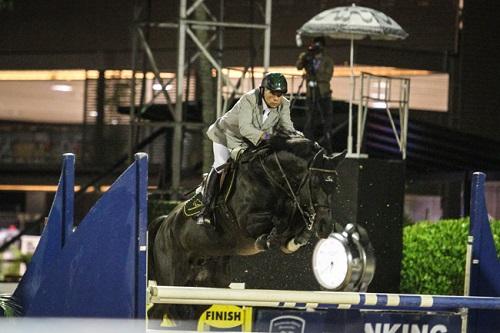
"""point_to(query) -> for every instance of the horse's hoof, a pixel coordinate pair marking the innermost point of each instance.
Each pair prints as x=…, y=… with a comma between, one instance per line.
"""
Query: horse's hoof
x=273, y=243
x=292, y=246
x=285, y=250
x=261, y=243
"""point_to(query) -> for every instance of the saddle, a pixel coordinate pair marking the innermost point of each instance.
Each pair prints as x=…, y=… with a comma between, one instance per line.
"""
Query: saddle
x=194, y=205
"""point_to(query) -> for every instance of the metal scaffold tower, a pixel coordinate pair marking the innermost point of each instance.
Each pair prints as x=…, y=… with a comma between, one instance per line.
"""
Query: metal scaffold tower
x=186, y=26
x=386, y=93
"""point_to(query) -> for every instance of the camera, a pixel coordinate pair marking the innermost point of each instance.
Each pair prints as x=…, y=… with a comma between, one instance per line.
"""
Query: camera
x=308, y=61
x=314, y=48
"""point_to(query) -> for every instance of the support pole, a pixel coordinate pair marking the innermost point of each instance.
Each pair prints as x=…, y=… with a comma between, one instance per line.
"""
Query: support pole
x=221, y=109
x=177, y=139
x=219, y=94
x=267, y=36
x=131, y=135
x=361, y=116
x=349, y=137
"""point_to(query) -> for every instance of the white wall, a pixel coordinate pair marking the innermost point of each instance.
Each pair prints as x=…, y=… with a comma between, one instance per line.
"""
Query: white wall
x=423, y=207
x=35, y=101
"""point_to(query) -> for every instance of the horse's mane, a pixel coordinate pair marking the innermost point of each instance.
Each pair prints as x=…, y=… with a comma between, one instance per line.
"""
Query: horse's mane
x=293, y=143
x=286, y=144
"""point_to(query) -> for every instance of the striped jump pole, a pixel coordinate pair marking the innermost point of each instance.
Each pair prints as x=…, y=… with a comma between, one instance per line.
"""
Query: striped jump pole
x=317, y=299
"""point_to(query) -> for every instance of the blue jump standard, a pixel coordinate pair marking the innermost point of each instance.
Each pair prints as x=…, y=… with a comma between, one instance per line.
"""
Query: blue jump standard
x=99, y=268
x=485, y=266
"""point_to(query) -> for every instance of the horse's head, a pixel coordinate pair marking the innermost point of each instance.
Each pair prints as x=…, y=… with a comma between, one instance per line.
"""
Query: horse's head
x=315, y=176
x=323, y=182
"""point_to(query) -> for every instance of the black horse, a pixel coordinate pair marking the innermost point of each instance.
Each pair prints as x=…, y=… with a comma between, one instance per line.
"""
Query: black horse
x=280, y=197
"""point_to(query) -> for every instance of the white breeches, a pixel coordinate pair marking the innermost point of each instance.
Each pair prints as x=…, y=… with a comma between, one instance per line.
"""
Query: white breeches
x=221, y=154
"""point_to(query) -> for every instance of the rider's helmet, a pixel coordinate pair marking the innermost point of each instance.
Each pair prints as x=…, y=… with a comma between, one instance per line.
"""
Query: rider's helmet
x=274, y=82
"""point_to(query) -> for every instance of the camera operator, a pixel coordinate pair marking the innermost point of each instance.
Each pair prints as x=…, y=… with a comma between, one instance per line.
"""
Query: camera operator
x=318, y=68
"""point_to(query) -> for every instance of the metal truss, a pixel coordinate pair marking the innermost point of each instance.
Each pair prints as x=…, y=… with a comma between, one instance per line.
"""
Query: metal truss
x=185, y=28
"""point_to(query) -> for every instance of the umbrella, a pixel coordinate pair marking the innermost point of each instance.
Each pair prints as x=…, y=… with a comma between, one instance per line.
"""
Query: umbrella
x=351, y=22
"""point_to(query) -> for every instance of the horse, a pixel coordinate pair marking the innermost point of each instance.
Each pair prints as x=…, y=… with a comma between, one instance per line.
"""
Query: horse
x=279, y=196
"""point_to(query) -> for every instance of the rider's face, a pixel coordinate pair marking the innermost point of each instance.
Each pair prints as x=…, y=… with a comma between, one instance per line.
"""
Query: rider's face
x=273, y=98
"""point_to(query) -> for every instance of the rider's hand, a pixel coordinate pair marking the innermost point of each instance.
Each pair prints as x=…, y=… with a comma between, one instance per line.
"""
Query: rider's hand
x=265, y=136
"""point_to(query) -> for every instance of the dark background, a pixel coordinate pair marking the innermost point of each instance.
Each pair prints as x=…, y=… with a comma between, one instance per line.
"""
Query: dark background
x=95, y=34
x=58, y=34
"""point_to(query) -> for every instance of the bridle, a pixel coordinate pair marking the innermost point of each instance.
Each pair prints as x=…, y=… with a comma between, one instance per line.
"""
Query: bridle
x=308, y=213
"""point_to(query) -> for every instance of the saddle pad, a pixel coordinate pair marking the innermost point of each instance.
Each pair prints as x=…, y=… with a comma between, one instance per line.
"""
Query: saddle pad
x=194, y=205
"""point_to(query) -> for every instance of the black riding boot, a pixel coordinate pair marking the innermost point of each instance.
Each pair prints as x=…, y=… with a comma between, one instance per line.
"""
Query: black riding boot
x=209, y=193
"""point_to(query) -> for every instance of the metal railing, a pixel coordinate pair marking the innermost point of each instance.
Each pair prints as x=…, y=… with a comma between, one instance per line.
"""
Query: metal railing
x=41, y=145
x=387, y=93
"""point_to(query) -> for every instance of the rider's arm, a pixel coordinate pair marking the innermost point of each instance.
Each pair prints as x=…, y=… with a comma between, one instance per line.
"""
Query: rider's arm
x=285, y=121
x=300, y=61
x=245, y=114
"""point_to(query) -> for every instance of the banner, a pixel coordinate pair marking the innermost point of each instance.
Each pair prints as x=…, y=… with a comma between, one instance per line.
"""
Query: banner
x=226, y=318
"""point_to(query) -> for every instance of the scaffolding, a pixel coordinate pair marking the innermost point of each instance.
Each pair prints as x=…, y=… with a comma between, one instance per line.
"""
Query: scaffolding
x=186, y=26
x=387, y=93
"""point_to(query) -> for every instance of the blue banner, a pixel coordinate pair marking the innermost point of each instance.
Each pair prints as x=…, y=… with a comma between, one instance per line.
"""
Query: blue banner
x=409, y=322
x=354, y=321
x=300, y=321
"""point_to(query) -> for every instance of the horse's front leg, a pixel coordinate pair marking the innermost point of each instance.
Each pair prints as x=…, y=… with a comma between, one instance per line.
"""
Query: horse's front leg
x=301, y=236
x=297, y=242
x=274, y=239
x=268, y=241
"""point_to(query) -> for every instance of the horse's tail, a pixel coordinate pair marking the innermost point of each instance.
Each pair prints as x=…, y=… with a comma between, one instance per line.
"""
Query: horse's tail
x=152, y=231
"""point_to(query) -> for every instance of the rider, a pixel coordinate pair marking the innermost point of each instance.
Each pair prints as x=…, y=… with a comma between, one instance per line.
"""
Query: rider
x=253, y=118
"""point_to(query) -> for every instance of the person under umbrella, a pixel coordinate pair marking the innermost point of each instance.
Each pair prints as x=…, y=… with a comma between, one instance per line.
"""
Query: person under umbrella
x=352, y=23
x=318, y=67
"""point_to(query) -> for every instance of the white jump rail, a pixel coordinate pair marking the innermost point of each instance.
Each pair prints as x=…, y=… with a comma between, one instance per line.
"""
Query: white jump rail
x=315, y=299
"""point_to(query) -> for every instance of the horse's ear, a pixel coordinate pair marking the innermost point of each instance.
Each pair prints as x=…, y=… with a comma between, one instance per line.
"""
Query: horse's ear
x=333, y=160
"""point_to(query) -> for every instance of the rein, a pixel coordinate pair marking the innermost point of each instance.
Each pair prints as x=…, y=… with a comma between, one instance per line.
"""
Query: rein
x=308, y=215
